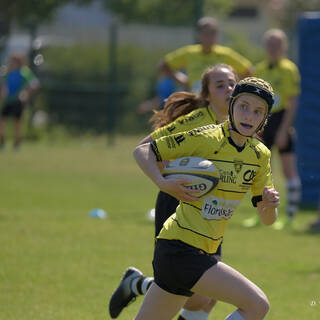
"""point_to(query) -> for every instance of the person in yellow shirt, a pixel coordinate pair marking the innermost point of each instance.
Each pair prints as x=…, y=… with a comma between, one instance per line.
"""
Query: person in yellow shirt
x=183, y=111
x=193, y=59
x=184, y=261
x=284, y=77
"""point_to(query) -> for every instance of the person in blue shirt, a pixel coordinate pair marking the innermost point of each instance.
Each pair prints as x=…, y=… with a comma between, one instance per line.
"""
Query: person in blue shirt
x=165, y=86
x=18, y=86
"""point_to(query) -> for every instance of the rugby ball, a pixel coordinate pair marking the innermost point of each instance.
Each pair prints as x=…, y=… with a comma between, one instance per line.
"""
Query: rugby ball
x=202, y=174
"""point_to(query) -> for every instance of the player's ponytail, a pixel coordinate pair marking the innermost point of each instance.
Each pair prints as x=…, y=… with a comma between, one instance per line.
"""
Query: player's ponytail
x=178, y=104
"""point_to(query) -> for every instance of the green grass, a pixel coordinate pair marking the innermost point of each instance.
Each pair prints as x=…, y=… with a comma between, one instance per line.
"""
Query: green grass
x=58, y=263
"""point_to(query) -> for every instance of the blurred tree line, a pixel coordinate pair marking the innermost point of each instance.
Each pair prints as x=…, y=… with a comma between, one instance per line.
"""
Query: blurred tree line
x=87, y=87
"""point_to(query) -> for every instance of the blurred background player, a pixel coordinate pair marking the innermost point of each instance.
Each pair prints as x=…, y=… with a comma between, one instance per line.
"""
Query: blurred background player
x=183, y=111
x=193, y=59
x=284, y=77
x=17, y=88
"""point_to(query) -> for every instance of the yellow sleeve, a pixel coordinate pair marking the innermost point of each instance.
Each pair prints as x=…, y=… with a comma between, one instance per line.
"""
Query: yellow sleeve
x=179, y=145
x=263, y=178
x=237, y=61
x=178, y=59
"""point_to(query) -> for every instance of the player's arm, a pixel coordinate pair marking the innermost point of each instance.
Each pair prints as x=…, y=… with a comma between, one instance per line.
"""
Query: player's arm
x=32, y=85
x=176, y=75
x=147, y=161
x=265, y=197
x=149, y=139
x=267, y=207
x=149, y=105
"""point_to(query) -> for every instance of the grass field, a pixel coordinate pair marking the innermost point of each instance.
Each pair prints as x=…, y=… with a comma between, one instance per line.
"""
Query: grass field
x=58, y=263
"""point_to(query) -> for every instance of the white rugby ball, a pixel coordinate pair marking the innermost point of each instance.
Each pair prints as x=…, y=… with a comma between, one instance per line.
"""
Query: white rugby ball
x=202, y=174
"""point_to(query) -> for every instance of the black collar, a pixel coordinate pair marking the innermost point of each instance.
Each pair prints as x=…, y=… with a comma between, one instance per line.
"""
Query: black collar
x=239, y=149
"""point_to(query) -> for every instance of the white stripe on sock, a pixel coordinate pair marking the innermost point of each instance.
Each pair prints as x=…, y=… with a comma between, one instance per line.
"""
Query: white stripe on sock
x=194, y=315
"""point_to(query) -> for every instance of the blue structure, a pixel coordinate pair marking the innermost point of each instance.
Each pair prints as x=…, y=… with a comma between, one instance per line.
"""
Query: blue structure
x=308, y=115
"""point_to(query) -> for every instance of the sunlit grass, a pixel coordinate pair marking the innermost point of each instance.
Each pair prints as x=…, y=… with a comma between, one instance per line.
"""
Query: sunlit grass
x=58, y=263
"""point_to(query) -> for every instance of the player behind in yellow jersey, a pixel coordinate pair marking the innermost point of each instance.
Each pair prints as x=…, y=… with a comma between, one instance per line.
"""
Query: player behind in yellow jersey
x=183, y=111
x=284, y=77
x=193, y=59
x=184, y=261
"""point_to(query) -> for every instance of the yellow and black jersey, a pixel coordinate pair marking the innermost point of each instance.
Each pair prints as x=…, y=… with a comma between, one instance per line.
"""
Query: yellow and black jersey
x=202, y=223
x=196, y=118
x=194, y=61
x=284, y=77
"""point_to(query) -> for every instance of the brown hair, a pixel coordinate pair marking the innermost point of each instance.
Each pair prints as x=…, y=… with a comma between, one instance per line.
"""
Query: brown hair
x=277, y=34
x=182, y=103
x=207, y=22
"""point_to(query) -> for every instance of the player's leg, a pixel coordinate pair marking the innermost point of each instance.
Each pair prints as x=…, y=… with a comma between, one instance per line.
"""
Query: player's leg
x=224, y=283
x=135, y=283
x=159, y=304
x=5, y=112
x=199, y=307
x=132, y=284
x=17, y=132
x=196, y=307
x=2, y=130
x=17, y=113
x=293, y=183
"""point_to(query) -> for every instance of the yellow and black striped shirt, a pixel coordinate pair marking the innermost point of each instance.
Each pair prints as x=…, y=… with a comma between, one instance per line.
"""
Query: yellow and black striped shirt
x=202, y=223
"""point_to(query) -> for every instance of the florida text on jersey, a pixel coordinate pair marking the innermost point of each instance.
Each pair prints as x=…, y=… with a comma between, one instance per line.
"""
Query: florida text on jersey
x=202, y=223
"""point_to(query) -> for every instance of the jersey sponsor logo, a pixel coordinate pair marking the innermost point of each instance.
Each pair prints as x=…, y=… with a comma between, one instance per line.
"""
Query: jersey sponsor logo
x=228, y=176
x=179, y=138
x=171, y=128
x=237, y=165
x=191, y=118
x=218, y=208
x=197, y=187
x=249, y=175
x=195, y=132
x=173, y=141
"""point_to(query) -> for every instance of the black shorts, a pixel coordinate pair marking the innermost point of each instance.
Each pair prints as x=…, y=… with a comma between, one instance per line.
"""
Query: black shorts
x=12, y=109
x=178, y=266
x=166, y=205
x=270, y=130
